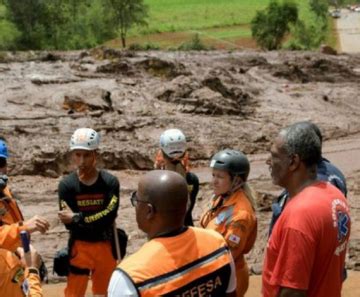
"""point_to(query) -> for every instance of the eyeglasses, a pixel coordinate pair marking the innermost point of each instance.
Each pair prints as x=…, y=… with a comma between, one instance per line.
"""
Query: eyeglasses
x=135, y=199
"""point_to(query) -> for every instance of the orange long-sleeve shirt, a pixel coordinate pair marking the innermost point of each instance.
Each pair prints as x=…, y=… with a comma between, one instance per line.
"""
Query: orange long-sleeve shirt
x=15, y=280
x=10, y=222
x=234, y=218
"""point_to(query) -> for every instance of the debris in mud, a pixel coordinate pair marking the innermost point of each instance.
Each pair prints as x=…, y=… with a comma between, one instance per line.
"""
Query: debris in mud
x=180, y=87
x=220, y=100
x=328, y=50
x=162, y=68
x=38, y=79
x=88, y=100
x=104, y=53
x=209, y=96
x=126, y=159
x=315, y=70
x=291, y=73
x=117, y=67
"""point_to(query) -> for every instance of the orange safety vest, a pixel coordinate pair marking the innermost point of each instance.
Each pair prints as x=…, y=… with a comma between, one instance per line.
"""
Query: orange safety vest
x=193, y=263
x=235, y=220
x=10, y=222
x=14, y=280
x=9, y=210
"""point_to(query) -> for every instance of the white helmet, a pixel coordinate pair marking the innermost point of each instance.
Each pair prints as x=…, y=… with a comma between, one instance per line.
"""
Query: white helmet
x=84, y=139
x=173, y=143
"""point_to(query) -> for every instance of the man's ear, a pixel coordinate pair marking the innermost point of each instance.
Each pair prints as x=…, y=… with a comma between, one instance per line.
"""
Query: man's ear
x=150, y=211
x=295, y=162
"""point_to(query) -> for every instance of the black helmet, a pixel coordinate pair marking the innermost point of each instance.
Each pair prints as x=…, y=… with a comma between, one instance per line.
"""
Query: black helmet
x=234, y=162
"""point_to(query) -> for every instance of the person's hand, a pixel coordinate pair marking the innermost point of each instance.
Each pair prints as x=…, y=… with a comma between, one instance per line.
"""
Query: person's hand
x=31, y=258
x=37, y=223
x=66, y=216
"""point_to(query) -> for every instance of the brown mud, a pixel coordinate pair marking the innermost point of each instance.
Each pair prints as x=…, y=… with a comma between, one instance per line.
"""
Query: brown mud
x=219, y=99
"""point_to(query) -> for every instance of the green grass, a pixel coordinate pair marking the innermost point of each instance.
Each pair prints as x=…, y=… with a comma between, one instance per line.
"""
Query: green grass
x=222, y=20
x=183, y=15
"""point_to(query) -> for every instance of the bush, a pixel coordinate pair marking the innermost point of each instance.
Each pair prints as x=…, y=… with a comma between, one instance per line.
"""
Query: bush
x=270, y=26
x=195, y=44
x=143, y=47
x=8, y=32
x=306, y=37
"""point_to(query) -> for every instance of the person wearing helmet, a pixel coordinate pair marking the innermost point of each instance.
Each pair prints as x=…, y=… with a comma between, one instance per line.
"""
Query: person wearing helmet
x=231, y=211
x=174, y=157
x=89, y=201
x=11, y=219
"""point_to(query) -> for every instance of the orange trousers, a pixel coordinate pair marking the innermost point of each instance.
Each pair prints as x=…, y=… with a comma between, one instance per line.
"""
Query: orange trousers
x=98, y=258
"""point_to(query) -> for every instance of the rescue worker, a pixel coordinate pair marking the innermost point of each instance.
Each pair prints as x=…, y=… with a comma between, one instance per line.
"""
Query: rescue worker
x=177, y=260
x=232, y=209
x=11, y=218
x=89, y=199
x=173, y=156
x=326, y=171
x=20, y=277
x=305, y=254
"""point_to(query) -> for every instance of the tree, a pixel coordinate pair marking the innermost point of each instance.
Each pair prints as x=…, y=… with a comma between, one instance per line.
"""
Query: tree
x=57, y=24
x=128, y=13
x=320, y=8
x=28, y=16
x=8, y=31
x=270, y=26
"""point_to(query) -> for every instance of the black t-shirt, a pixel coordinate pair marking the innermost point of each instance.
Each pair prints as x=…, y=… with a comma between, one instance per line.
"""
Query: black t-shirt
x=96, y=204
x=193, y=183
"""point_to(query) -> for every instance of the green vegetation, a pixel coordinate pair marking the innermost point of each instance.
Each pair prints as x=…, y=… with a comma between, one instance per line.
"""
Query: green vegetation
x=74, y=24
x=270, y=25
x=65, y=24
x=175, y=15
x=195, y=44
x=128, y=13
x=8, y=32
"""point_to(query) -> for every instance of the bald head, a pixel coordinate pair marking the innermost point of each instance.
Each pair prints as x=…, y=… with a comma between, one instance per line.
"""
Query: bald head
x=166, y=190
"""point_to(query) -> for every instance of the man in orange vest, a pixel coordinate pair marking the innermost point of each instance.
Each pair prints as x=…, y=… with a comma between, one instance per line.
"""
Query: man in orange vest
x=11, y=219
x=19, y=278
x=177, y=260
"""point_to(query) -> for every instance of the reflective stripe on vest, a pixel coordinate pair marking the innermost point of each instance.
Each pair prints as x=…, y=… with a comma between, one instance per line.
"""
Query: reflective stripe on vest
x=183, y=270
x=193, y=269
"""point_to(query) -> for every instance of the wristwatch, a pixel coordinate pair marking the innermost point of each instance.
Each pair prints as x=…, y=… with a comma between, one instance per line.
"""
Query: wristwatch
x=76, y=218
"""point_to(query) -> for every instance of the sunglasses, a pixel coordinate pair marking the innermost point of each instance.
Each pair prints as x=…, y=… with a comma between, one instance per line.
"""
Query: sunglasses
x=135, y=199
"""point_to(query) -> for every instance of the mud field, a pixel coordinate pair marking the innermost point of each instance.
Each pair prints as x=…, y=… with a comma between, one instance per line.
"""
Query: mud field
x=219, y=99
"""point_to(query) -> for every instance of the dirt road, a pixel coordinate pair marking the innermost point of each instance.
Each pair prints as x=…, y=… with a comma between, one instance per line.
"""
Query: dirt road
x=349, y=31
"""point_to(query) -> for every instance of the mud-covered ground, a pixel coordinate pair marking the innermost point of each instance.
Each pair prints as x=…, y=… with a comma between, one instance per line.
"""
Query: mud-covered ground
x=219, y=99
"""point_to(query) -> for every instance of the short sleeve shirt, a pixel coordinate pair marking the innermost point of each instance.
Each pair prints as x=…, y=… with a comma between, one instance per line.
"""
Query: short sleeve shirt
x=307, y=247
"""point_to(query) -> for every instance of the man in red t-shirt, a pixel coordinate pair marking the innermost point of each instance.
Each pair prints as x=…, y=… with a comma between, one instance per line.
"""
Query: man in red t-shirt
x=305, y=255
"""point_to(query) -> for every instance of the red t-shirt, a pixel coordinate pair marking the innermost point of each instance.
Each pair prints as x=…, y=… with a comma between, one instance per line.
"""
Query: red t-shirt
x=307, y=248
